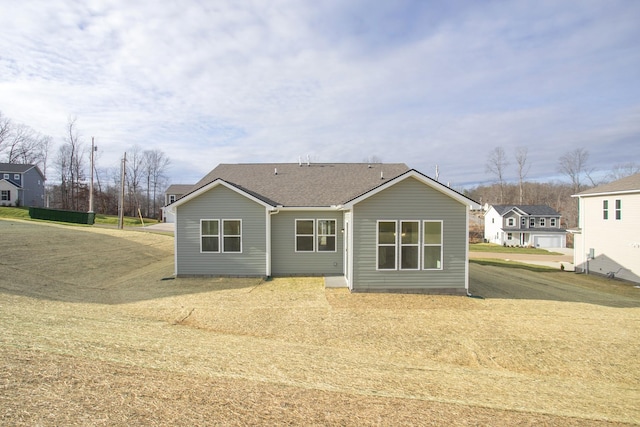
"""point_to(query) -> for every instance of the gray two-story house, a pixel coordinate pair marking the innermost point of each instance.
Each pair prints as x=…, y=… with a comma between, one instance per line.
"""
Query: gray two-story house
x=21, y=185
x=382, y=227
x=524, y=225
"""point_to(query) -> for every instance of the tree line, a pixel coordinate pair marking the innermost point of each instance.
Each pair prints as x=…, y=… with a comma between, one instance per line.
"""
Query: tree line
x=574, y=165
x=68, y=185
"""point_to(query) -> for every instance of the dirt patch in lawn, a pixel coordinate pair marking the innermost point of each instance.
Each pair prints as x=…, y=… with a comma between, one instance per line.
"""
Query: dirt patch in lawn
x=117, y=344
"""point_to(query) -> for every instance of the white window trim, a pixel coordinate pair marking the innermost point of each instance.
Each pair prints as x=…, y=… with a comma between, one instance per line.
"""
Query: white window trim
x=543, y=222
x=431, y=244
x=511, y=222
x=532, y=222
x=318, y=235
x=552, y=222
x=16, y=176
x=210, y=235
x=6, y=176
x=222, y=235
x=401, y=245
x=172, y=198
x=296, y=235
x=617, y=205
x=378, y=244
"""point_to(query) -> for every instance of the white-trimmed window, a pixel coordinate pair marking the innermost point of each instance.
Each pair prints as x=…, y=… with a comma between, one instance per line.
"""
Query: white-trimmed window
x=618, y=209
x=209, y=235
x=6, y=176
x=305, y=237
x=172, y=198
x=552, y=222
x=509, y=236
x=532, y=222
x=523, y=222
x=231, y=235
x=214, y=238
x=5, y=195
x=432, y=245
x=511, y=222
x=326, y=232
x=16, y=176
x=605, y=209
x=543, y=222
x=409, y=245
x=387, y=245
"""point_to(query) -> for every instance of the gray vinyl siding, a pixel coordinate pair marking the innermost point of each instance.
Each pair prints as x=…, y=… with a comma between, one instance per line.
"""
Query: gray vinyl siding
x=409, y=200
x=221, y=203
x=286, y=261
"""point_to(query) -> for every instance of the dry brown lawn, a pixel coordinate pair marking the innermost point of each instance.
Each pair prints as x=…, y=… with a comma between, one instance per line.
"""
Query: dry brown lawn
x=95, y=331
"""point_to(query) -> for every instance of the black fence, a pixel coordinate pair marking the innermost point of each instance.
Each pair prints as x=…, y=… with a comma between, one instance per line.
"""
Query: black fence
x=62, y=216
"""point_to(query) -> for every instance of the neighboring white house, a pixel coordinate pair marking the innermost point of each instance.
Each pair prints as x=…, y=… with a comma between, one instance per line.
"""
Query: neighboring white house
x=524, y=225
x=607, y=240
x=173, y=193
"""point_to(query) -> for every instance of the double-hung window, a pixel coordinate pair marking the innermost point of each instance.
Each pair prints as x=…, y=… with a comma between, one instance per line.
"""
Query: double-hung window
x=387, y=245
x=5, y=195
x=409, y=245
x=210, y=235
x=326, y=232
x=552, y=222
x=231, y=235
x=543, y=222
x=605, y=209
x=432, y=245
x=214, y=238
x=305, y=238
x=511, y=222
x=618, y=209
x=532, y=222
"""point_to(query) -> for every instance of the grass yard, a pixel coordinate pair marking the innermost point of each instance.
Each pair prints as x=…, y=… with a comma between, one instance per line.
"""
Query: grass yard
x=492, y=247
x=95, y=331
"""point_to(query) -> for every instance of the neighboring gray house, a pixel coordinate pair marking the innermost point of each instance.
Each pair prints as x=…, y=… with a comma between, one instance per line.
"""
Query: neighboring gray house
x=173, y=193
x=524, y=225
x=383, y=227
x=607, y=240
x=21, y=185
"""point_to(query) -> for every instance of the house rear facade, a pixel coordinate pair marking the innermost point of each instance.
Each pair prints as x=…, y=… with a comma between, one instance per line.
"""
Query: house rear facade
x=607, y=240
x=383, y=227
x=21, y=185
x=524, y=225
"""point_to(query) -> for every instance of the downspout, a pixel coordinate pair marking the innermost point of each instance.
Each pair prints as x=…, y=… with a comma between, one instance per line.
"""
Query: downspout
x=270, y=212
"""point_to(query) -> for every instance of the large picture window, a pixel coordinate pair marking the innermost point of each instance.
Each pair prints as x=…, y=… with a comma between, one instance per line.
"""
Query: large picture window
x=326, y=232
x=432, y=245
x=387, y=245
x=409, y=245
x=304, y=235
x=210, y=235
x=5, y=195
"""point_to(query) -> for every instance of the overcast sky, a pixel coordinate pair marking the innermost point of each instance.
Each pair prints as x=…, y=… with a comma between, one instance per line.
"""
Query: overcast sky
x=421, y=82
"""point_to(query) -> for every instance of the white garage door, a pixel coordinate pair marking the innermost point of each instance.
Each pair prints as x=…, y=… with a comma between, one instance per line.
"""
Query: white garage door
x=548, y=241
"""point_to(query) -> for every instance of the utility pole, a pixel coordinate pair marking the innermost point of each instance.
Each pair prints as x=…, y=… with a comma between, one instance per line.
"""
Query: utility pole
x=122, y=177
x=93, y=149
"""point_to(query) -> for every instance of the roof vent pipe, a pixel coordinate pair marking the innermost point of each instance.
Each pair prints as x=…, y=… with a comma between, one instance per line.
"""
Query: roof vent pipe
x=275, y=171
x=308, y=160
x=299, y=160
x=381, y=175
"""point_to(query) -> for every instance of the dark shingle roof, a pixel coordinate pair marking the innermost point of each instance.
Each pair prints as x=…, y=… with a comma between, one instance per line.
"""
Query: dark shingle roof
x=630, y=183
x=179, y=189
x=534, y=210
x=317, y=184
x=14, y=167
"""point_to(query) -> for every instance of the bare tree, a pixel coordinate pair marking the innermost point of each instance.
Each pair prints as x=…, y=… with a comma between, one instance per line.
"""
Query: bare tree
x=496, y=165
x=156, y=164
x=134, y=175
x=523, y=170
x=5, y=130
x=574, y=164
x=623, y=170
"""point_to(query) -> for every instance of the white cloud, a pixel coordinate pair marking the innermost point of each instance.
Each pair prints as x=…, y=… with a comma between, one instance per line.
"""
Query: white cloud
x=422, y=83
